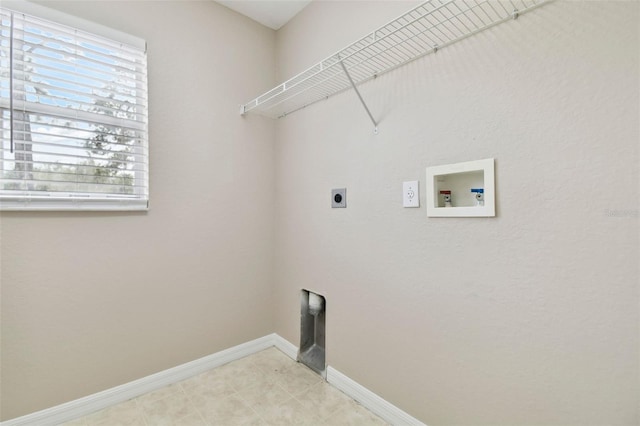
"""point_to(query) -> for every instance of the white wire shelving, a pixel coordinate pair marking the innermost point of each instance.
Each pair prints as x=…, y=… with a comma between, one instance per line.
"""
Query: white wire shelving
x=424, y=29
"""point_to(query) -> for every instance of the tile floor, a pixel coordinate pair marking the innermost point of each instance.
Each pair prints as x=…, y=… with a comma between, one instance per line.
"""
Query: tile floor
x=267, y=388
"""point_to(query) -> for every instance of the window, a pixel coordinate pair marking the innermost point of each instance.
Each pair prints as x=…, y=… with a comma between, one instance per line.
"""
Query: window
x=73, y=118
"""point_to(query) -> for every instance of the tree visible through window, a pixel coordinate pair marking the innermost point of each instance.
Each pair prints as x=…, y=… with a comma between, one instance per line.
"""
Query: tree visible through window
x=73, y=117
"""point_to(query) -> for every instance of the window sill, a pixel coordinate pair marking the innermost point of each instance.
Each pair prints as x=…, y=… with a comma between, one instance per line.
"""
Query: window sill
x=72, y=204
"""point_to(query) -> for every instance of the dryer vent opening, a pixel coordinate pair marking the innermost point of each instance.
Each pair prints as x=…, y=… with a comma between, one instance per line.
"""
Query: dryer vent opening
x=313, y=309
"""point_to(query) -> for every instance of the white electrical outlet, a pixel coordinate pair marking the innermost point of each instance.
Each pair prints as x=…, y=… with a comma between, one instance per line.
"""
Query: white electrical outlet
x=410, y=194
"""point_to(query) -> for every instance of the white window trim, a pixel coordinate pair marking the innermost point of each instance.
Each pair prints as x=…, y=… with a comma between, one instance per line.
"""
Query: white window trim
x=37, y=202
x=73, y=21
x=32, y=201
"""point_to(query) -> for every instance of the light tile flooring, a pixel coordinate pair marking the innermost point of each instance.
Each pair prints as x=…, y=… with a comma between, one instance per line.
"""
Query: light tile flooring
x=267, y=388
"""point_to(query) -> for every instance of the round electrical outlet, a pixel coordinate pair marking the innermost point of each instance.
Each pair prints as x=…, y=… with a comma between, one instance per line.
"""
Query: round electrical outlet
x=339, y=198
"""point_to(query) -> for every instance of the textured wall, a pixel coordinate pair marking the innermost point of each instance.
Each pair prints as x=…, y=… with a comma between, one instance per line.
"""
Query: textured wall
x=95, y=300
x=527, y=318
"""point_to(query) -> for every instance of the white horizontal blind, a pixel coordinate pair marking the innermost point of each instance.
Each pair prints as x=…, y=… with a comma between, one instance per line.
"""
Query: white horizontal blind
x=73, y=118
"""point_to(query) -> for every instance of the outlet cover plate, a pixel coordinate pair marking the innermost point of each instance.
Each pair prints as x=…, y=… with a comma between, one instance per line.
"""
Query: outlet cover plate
x=339, y=198
x=410, y=194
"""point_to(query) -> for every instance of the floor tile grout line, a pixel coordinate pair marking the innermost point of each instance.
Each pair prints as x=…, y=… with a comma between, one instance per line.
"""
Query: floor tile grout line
x=277, y=366
x=181, y=391
x=145, y=417
x=290, y=395
x=261, y=416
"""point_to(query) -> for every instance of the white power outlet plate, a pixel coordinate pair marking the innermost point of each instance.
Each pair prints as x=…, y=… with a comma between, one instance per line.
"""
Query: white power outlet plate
x=410, y=194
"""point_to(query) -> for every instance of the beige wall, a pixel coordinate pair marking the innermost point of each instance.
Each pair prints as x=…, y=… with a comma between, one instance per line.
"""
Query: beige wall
x=527, y=318
x=95, y=300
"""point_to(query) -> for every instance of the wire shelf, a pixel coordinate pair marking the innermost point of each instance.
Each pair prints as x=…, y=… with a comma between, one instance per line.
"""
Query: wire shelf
x=422, y=30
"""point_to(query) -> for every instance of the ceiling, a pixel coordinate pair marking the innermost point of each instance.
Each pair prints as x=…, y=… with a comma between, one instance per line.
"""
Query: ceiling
x=271, y=13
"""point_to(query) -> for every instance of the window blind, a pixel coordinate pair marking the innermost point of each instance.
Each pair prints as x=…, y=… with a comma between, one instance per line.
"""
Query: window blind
x=73, y=118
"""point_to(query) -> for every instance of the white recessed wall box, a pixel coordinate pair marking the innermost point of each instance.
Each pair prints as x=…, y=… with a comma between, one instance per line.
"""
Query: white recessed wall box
x=462, y=189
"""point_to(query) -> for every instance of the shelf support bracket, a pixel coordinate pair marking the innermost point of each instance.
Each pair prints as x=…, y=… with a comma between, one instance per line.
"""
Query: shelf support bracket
x=375, y=129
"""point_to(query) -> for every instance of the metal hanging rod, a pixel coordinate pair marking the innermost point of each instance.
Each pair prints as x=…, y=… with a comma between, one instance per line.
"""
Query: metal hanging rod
x=424, y=29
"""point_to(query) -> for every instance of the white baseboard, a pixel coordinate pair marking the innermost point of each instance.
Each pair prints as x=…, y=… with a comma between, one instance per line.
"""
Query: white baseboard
x=364, y=396
x=374, y=403
x=286, y=347
x=98, y=401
